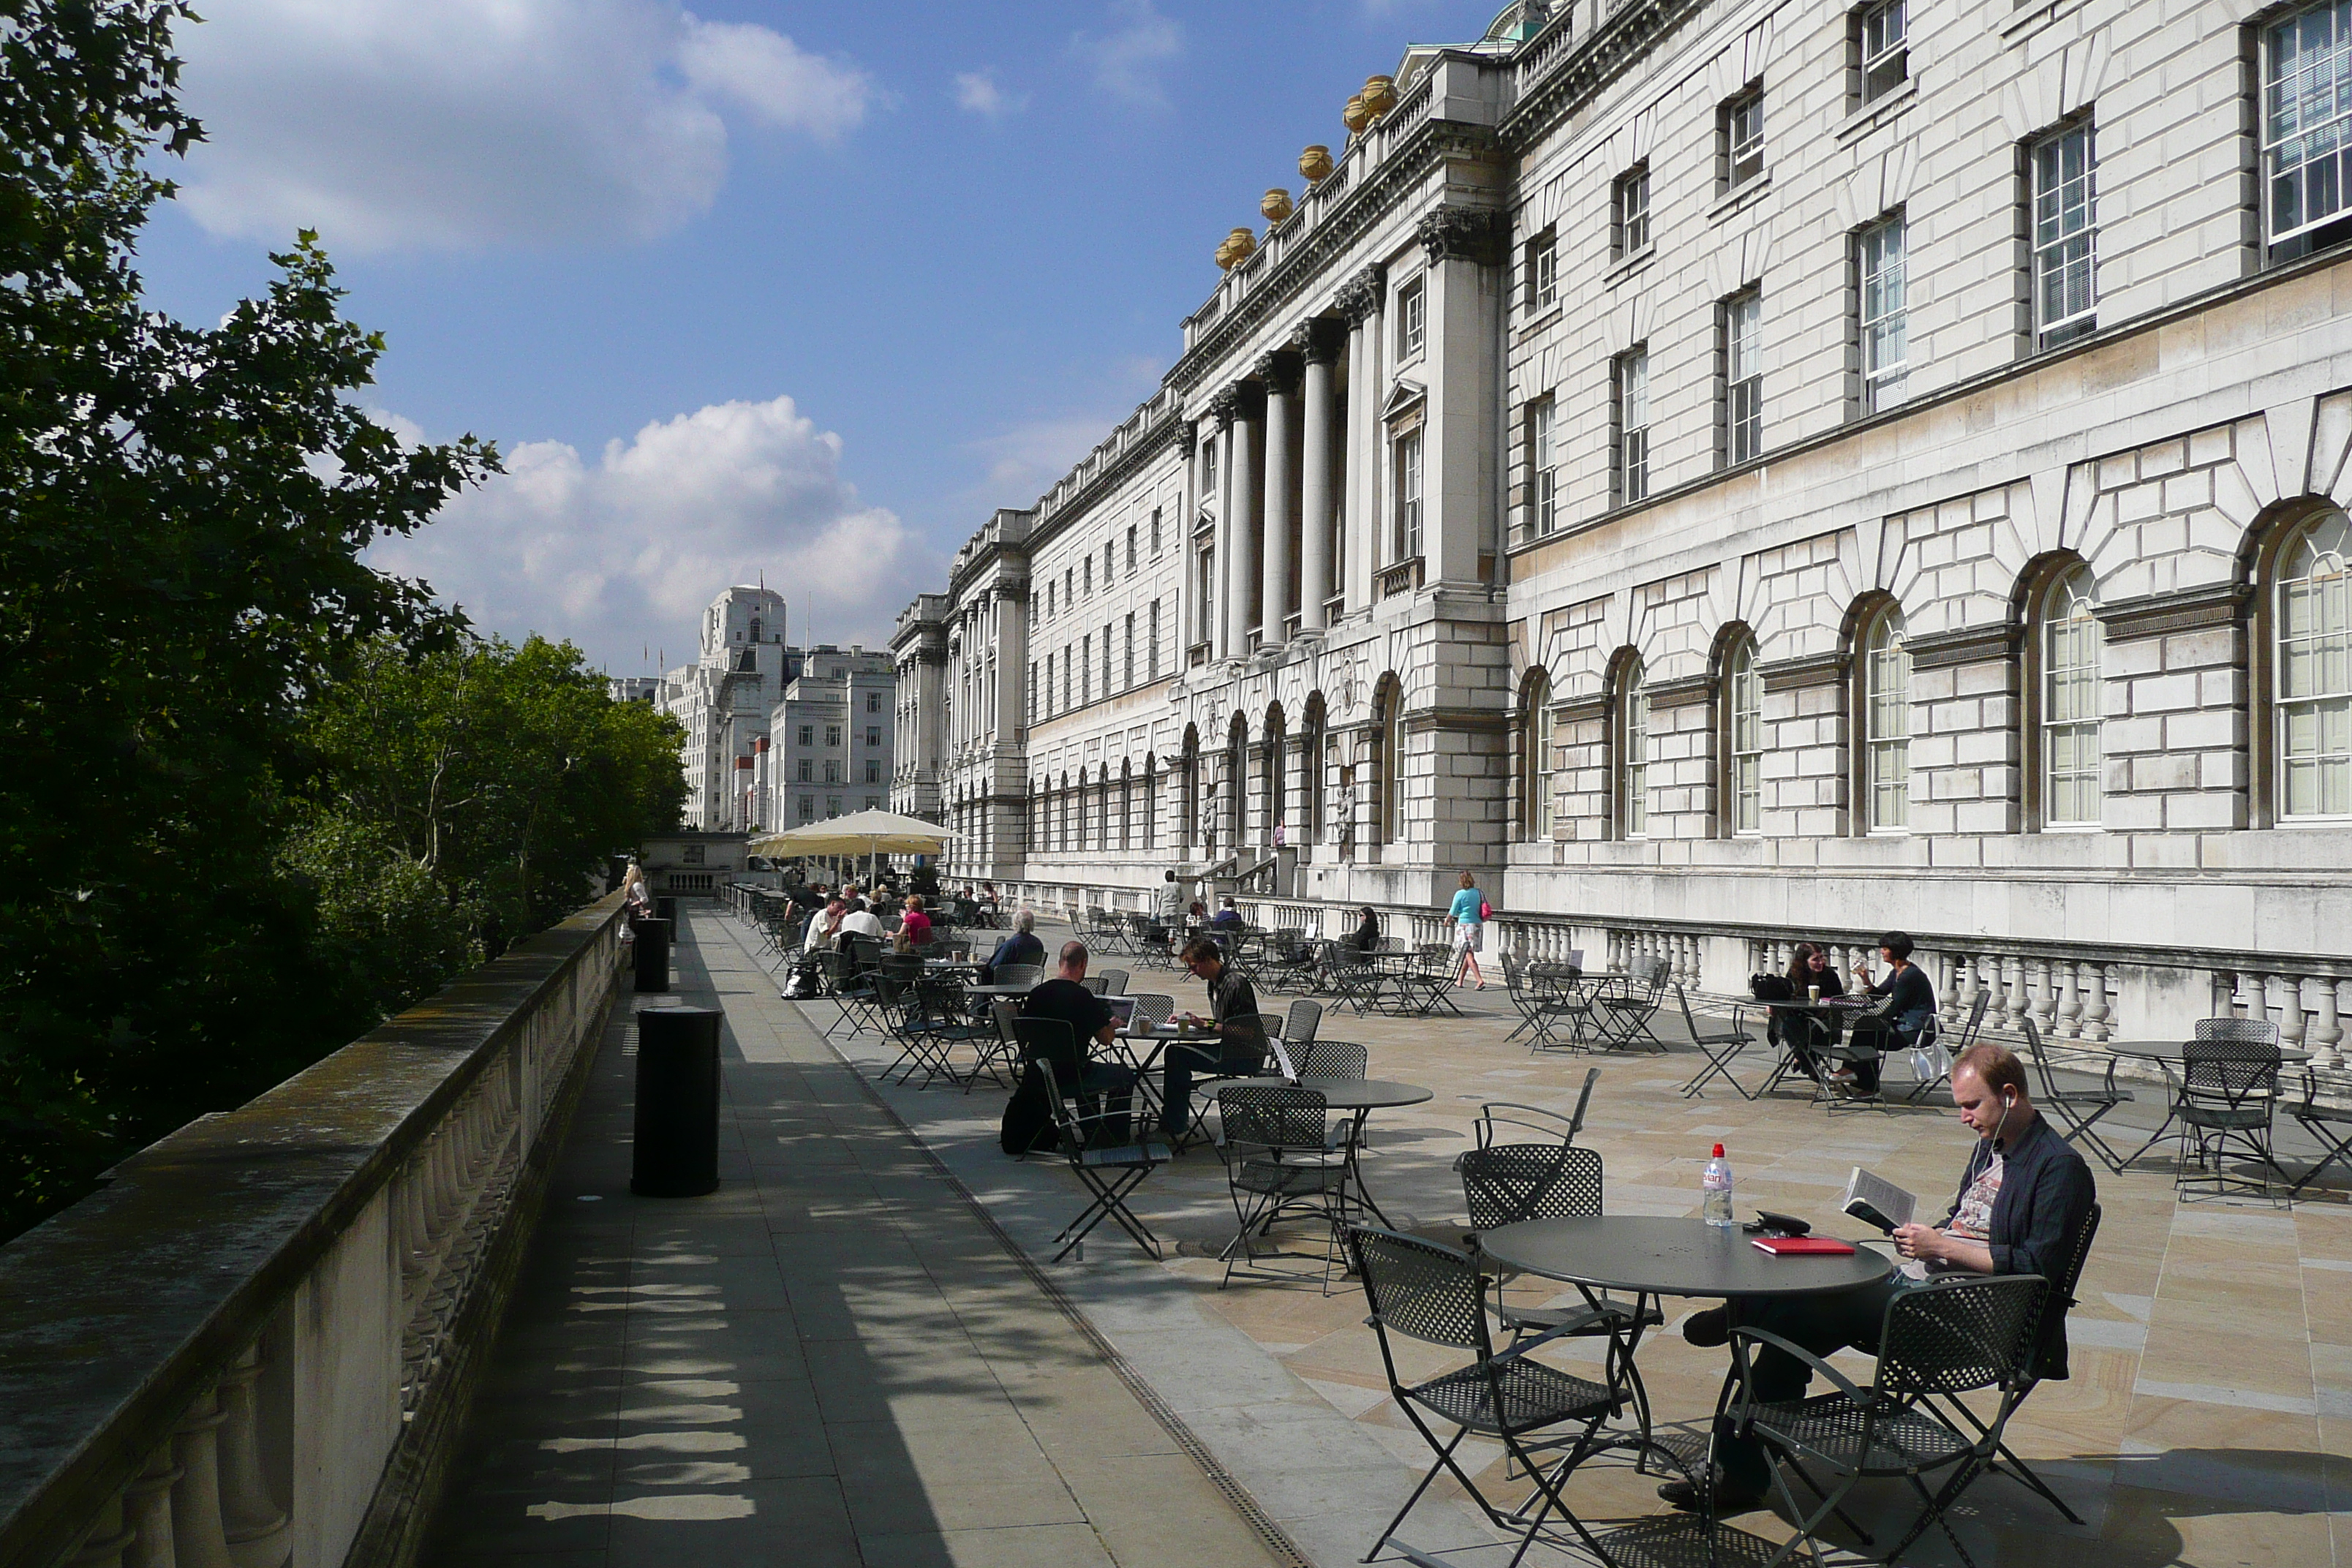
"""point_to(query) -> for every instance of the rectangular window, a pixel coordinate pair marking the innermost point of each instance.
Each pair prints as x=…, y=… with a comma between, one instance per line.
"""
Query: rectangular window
x=1106, y=647
x=1886, y=347
x=1408, y=496
x=1209, y=466
x=1740, y=329
x=833, y=805
x=1131, y=548
x=833, y=772
x=1543, y=472
x=808, y=735
x=1069, y=582
x=1130, y=649
x=1033, y=691
x=1543, y=273
x=873, y=802
x=808, y=808
x=1881, y=48
x=1152, y=646
x=1086, y=585
x=2065, y=233
x=1155, y=533
x=1739, y=134
x=808, y=768
x=1068, y=681
x=1630, y=233
x=1203, y=597
x=2307, y=119
x=1087, y=668
x=1049, y=599
x=873, y=734
x=832, y=734
x=1631, y=398
x=1411, y=327
x=874, y=773
x=1747, y=743
x=874, y=702
x=1111, y=560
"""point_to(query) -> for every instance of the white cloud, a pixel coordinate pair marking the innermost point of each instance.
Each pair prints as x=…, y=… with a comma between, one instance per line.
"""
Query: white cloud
x=1127, y=61
x=427, y=124
x=977, y=93
x=626, y=552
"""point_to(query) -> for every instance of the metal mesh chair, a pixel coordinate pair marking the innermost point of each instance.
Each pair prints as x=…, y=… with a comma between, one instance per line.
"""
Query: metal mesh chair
x=2229, y=1093
x=1154, y=1007
x=1331, y=1059
x=1300, y=1023
x=1720, y=1046
x=1021, y=974
x=1280, y=1161
x=1947, y=1338
x=1114, y=982
x=1535, y=1118
x=1106, y=1162
x=1541, y=1011
x=1623, y=1005
x=2078, y=1110
x=1096, y=984
x=2332, y=1125
x=1434, y=1294
x=2249, y=1031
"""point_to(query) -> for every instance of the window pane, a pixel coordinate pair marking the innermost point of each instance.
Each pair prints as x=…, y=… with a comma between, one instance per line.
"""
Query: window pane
x=2314, y=680
x=1884, y=346
x=2306, y=104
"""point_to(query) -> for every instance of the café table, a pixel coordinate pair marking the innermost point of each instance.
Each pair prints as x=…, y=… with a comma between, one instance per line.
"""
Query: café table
x=1360, y=1097
x=2167, y=1055
x=1648, y=1258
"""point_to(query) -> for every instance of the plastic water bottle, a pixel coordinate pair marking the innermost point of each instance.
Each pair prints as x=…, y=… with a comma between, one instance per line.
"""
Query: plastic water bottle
x=1715, y=1187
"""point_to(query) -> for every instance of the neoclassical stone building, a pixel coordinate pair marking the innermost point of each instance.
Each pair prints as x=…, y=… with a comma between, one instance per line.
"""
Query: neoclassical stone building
x=1725, y=472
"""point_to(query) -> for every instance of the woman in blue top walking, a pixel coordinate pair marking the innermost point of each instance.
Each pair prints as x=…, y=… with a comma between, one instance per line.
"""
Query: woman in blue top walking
x=1469, y=916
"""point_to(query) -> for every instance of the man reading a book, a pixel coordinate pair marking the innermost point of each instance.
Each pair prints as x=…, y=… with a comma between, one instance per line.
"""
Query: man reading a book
x=2020, y=1207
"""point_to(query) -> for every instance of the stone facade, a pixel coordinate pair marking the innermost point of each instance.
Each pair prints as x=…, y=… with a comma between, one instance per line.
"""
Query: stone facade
x=1926, y=512
x=833, y=738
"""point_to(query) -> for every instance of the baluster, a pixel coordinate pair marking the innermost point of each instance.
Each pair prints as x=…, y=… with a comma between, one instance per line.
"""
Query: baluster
x=199, y=1540
x=147, y=1513
x=2326, y=1037
x=2288, y=989
x=2098, y=1014
x=2069, y=1021
x=103, y=1546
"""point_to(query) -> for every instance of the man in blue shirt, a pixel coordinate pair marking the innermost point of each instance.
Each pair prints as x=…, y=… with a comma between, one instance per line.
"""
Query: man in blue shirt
x=1021, y=947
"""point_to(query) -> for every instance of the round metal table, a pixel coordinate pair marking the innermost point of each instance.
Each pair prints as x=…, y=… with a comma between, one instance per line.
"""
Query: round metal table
x=1359, y=1098
x=1654, y=1256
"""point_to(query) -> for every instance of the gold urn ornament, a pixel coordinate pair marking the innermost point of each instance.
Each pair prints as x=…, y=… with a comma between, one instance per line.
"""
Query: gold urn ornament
x=1315, y=164
x=1239, y=247
x=1276, y=204
x=1380, y=95
x=1226, y=256
x=1356, y=116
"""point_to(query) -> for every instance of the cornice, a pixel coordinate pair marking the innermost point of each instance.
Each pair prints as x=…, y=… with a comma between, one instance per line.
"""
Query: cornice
x=1403, y=171
x=1691, y=691
x=2158, y=615
x=1969, y=644
x=1801, y=674
x=1113, y=474
x=1632, y=27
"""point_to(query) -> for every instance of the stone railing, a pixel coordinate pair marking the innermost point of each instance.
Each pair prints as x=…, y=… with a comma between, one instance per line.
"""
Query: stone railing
x=2082, y=994
x=255, y=1345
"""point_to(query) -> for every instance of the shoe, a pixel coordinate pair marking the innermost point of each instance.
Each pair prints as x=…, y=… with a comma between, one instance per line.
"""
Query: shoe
x=1707, y=1328
x=1726, y=1499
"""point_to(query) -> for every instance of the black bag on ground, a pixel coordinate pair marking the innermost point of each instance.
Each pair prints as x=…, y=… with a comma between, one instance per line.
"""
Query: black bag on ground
x=1028, y=1122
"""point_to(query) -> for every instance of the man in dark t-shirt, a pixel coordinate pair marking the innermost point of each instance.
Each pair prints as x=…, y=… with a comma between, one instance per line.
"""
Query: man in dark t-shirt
x=1066, y=999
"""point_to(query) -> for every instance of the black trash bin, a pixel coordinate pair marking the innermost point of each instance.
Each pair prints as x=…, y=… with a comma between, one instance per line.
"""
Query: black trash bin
x=665, y=906
x=676, y=1149
x=653, y=956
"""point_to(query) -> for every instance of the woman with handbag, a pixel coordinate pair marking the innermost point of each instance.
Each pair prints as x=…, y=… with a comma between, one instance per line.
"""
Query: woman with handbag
x=1469, y=912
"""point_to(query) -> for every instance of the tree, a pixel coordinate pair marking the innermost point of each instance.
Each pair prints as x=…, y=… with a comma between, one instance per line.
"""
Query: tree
x=184, y=511
x=504, y=775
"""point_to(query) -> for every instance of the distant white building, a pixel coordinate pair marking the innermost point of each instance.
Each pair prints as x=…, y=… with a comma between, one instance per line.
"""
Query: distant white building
x=645, y=688
x=775, y=735
x=831, y=741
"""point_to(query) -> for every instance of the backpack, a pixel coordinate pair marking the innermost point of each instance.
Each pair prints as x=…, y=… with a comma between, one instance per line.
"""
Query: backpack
x=1770, y=988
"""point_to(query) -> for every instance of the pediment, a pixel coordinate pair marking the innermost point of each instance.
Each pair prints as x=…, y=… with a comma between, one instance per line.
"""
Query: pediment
x=1403, y=399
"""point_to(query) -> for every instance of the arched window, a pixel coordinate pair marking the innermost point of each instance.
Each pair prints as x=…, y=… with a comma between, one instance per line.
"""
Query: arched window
x=1150, y=802
x=1885, y=725
x=1743, y=691
x=1126, y=805
x=1391, y=762
x=1312, y=770
x=1236, y=785
x=1632, y=752
x=1535, y=758
x=2067, y=641
x=2312, y=693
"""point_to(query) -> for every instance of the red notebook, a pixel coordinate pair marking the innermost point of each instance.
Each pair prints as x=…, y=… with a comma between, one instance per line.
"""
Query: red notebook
x=1804, y=1246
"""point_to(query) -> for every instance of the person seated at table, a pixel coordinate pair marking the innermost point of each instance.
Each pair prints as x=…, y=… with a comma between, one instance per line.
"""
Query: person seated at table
x=1227, y=917
x=825, y=926
x=1808, y=1034
x=1064, y=996
x=1368, y=933
x=1021, y=947
x=2022, y=1202
x=860, y=921
x=916, y=926
x=1906, y=1005
x=1237, y=1048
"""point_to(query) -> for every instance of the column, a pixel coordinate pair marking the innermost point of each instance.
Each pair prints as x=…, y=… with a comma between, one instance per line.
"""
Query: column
x=1188, y=508
x=1241, y=511
x=1220, y=588
x=1364, y=301
x=1315, y=507
x=1280, y=373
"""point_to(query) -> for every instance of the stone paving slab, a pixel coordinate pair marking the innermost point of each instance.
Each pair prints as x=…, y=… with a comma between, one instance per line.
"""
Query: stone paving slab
x=832, y=1361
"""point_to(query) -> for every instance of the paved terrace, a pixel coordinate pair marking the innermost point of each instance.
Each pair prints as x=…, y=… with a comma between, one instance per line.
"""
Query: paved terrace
x=834, y=1359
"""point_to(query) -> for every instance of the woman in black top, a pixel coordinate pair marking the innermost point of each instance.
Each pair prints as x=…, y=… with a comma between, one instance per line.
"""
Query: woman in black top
x=1368, y=933
x=1807, y=1033
x=1907, y=1004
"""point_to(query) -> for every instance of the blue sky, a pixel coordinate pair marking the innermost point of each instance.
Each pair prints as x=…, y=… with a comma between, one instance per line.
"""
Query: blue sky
x=800, y=288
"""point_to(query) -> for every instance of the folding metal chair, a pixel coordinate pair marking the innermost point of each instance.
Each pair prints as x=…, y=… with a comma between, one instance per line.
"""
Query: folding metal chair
x=1330, y=1059
x=1541, y=1011
x=1504, y=1184
x=1021, y=974
x=1621, y=1009
x=2229, y=1095
x=1108, y=1165
x=1434, y=1294
x=1944, y=1055
x=1301, y=1024
x=1947, y=1338
x=1720, y=1046
x=1280, y=1160
x=1535, y=1118
x=2332, y=1125
x=2077, y=1109
x=1114, y=982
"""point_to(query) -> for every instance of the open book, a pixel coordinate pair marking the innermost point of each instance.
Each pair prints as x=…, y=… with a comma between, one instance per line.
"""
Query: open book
x=1877, y=1201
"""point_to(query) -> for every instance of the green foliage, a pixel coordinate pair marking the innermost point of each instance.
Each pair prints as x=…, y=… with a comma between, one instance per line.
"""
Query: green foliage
x=503, y=775
x=198, y=902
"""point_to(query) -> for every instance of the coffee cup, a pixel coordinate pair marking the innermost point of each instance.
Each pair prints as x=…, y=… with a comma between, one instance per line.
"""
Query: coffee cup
x=1813, y=992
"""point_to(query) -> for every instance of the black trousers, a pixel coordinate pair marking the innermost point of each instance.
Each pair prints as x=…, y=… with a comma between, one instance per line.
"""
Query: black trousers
x=1824, y=1325
x=1223, y=1058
